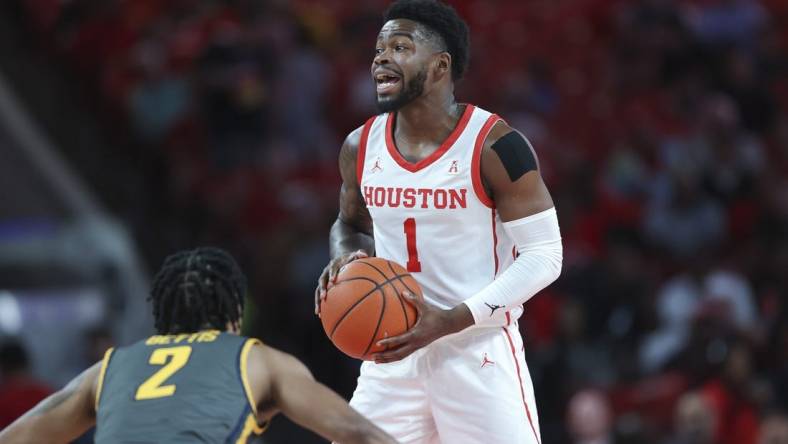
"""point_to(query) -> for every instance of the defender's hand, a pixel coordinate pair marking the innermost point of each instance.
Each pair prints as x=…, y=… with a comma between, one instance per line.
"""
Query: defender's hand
x=432, y=323
x=329, y=275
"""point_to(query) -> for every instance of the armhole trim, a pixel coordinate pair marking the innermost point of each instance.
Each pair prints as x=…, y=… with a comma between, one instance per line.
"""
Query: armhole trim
x=362, y=149
x=251, y=427
x=476, y=163
x=102, y=374
x=243, y=361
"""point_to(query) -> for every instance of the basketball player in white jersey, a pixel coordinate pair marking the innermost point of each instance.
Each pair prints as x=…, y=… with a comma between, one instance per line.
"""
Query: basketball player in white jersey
x=453, y=193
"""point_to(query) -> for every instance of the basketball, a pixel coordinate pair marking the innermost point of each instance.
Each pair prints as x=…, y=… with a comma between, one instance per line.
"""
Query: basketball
x=364, y=306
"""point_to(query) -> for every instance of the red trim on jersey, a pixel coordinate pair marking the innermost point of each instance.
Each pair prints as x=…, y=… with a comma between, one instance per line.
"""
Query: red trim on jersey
x=520, y=379
x=495, y=243
x=362, y=149
x=508, y=319
x=423, y=163
x=476, y=163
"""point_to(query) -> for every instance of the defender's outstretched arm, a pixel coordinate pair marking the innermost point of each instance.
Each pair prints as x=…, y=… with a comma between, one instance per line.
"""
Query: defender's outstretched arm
x=61, y=417
x=294, y=392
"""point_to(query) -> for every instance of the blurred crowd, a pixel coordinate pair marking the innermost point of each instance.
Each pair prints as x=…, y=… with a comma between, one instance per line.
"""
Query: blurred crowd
x=662, y=131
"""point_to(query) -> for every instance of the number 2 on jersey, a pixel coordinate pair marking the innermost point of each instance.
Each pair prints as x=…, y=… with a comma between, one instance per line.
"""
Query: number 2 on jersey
x=413, y=264
x=152, y=387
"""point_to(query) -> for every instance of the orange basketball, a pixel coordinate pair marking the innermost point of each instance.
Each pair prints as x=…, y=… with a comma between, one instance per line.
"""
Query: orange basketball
x=364, y=306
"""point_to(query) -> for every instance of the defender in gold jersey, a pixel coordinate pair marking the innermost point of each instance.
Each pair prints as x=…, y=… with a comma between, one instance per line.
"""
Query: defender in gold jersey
x=195, y=381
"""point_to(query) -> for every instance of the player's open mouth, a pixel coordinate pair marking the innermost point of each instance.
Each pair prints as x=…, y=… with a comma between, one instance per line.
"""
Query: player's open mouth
x=386, y=83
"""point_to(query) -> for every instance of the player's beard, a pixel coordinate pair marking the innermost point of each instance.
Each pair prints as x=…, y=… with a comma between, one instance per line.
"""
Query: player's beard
x=410, y=92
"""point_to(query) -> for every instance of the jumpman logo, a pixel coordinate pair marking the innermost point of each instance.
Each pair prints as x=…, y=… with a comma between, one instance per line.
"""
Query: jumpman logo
x=453, y=167
x=486, y=361
x=377, y=166
x=493, y=308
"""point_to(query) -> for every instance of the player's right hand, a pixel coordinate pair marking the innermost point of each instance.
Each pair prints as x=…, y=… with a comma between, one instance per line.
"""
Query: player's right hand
x=329, y=275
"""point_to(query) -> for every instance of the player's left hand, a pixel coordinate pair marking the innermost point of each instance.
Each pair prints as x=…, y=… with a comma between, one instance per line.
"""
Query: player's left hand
x=431, y=323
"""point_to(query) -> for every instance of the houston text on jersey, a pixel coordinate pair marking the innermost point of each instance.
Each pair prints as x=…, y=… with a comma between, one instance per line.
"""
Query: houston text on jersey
x=438, y=198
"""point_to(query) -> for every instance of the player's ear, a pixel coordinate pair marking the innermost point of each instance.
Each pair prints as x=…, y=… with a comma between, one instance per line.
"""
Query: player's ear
x=443, y=64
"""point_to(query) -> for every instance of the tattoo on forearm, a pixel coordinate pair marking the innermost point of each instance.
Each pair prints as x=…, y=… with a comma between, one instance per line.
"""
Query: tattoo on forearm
x=363, y=218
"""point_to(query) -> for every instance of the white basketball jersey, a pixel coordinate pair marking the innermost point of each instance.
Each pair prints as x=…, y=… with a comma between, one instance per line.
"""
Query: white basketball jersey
x=434, y=217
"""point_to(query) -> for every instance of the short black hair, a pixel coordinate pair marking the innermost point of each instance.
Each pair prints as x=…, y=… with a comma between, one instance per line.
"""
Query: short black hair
x=441, y=19
x=198, y=289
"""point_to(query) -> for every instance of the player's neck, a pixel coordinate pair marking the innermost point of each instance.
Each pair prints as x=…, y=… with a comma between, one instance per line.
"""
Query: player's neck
x=428, y=118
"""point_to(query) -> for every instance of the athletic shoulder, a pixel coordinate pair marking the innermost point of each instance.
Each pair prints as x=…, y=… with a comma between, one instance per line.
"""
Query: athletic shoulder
x=353, y=140
x=348, y=154
x=501, y=131
x=278, y=361
x=506, y=148
x=258, y=367
x=266, y=364
x=258, y=373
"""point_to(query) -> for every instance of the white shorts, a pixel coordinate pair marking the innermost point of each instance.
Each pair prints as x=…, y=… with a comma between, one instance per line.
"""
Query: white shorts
x=467, y=388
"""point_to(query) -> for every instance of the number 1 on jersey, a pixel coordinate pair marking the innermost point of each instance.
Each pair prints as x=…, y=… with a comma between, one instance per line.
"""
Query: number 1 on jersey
x=413, y=264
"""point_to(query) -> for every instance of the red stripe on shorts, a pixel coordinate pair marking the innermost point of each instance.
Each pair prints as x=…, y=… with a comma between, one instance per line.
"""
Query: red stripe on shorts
x=520, y=379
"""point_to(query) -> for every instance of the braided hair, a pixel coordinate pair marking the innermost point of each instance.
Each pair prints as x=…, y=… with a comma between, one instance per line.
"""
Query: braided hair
x=198, y=289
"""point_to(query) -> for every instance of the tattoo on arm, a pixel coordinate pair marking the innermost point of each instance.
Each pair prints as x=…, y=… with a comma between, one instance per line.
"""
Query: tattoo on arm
x=352, y=208
x=353, y=229
x=353, y=211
